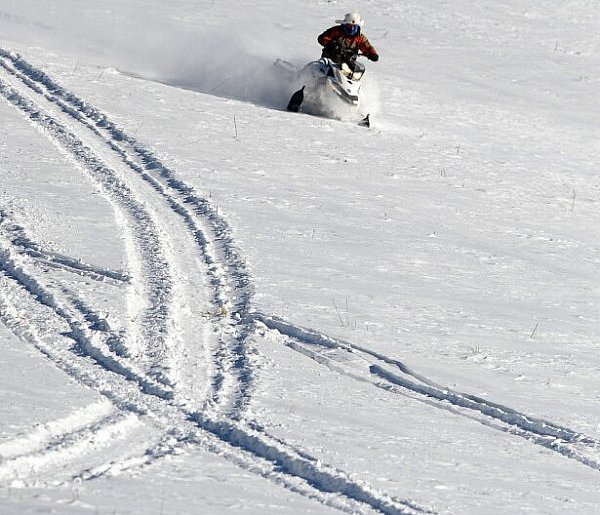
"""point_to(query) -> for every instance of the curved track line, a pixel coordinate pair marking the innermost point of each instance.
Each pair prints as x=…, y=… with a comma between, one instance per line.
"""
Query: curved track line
x=148, y=244
x=89, y=343
x=226, y=269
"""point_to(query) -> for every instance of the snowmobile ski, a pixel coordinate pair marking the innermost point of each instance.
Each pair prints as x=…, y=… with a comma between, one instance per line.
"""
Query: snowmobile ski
x=365, y=122
x=296, y=100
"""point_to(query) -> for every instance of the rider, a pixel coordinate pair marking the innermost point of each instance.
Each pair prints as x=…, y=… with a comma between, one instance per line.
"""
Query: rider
x=343, y=42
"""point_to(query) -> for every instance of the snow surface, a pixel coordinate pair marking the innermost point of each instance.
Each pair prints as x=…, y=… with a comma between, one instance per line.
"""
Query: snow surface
x=210, y=305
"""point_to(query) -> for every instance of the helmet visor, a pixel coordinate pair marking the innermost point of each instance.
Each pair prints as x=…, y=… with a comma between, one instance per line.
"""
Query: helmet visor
x=351, y=29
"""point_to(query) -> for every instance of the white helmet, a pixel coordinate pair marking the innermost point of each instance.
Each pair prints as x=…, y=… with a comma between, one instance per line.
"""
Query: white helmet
x=352, y=19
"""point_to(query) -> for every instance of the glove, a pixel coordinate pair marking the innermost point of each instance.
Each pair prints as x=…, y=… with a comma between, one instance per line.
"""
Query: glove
x=373, y=57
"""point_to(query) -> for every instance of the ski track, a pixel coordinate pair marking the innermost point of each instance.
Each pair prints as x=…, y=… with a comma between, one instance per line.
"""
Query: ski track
x=219, y=427
x=376, y=368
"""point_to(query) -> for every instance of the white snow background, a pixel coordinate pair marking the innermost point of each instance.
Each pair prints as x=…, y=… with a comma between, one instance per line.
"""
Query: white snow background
x=211, y=305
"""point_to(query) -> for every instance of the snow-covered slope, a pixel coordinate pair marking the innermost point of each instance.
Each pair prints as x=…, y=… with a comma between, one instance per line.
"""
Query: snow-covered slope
x=211, y=305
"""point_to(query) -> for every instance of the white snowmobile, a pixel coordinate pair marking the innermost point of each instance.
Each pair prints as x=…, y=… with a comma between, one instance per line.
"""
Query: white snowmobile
x=325, y=88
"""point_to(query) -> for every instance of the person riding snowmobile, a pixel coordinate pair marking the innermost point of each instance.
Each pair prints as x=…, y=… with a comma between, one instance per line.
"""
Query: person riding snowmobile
x=343, y=42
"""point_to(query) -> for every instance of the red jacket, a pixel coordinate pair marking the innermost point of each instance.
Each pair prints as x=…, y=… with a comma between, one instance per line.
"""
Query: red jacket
x=336, y=35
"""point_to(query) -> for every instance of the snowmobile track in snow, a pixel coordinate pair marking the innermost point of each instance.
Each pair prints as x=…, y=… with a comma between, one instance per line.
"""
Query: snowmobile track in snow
x=210, y=231
x=145, y=391
x=53, y=259
x=392, y=375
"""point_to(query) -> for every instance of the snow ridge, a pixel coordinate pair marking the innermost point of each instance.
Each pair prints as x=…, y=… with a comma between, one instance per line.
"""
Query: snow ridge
x=70, y=445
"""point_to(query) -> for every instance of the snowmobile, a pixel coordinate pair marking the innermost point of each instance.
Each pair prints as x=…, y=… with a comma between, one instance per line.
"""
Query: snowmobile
x=330, y=89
